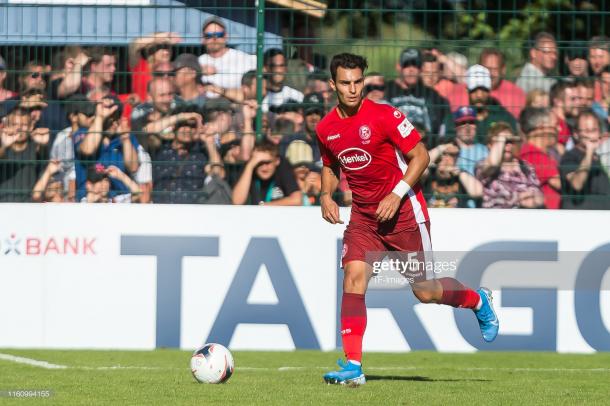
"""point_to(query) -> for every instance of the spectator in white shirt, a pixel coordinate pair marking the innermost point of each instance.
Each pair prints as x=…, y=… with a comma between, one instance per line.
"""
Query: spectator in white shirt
x=275, y=71
x=220, y=65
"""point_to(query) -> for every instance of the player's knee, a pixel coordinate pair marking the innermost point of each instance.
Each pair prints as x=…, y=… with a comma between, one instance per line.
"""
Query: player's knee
x=354, y=283
x=424, y=295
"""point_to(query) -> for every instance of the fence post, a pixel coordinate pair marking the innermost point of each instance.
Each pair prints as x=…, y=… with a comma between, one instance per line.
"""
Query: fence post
x=260, y=43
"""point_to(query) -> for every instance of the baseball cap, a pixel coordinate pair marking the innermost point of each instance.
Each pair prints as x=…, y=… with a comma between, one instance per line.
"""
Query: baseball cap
x=187, y=61
x=410, y=57
x=213, y=20
x=464, y=114
x=299, y=153
x=313, y=103
x=478, y=76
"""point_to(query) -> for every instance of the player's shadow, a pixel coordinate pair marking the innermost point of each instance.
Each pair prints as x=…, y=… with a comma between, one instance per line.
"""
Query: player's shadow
x=418, y=378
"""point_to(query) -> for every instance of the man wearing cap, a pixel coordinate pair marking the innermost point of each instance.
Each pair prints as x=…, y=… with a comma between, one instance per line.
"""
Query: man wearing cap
x=487, y=109
x=543, y=58
x=313, y=111
x=222, y=66
x=188, y=74
x=415, y=100
x=470, y=152
x=300, y=155
x=510, y=96
x=107, y=141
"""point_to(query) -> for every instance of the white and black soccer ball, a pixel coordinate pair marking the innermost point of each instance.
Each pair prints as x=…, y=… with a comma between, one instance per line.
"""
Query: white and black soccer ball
x=212, y=363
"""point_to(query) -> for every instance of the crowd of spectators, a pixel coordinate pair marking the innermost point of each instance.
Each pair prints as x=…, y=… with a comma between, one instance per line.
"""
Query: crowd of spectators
x=185, y=133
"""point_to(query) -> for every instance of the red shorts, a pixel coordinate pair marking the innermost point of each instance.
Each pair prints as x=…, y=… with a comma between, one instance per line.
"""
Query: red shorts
x=364, y=242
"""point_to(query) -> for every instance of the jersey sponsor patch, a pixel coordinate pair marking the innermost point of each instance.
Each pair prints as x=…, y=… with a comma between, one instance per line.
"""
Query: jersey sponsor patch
x=405, y=128
x=354, y=159
x=397, y=114
x=365, y=134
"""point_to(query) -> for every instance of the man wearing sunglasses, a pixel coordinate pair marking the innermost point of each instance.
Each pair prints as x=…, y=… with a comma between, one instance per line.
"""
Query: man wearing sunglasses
x=32, y=77
x=222, y=66
x=537, y=73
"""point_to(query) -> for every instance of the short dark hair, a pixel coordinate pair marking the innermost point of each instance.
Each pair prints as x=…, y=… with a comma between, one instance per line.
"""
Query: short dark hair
x=248, y=77
x=584, y=82
x=97, y=53
x=588, y=113
x=558, y=90
x=347, y=61
x=491, y=52
x=600, y=42
x=269, y=147
x=270, y=53
x=496, y=128
x=542, y=36
x=532, y=117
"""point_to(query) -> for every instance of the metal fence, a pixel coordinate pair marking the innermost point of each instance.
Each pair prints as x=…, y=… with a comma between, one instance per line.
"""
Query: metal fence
x=190, y=144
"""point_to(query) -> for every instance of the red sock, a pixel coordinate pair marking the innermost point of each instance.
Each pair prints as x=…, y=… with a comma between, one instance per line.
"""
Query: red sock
x=353, y=324
x=457, y=295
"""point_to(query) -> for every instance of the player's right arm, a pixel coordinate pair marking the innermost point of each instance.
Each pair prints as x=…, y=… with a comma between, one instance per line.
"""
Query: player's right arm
x=330, y=181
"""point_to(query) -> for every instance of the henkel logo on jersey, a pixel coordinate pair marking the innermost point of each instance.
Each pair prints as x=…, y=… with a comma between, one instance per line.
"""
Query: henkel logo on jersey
x=354, y=159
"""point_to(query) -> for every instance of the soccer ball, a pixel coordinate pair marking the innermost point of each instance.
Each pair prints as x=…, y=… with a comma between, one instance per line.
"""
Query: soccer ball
x=212, y=363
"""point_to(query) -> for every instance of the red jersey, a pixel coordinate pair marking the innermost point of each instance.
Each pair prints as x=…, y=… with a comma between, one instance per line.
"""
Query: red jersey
x=370, y=147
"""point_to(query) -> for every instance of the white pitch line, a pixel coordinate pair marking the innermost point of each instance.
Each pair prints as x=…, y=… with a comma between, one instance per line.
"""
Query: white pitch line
x=32, y=362
x=48, y=365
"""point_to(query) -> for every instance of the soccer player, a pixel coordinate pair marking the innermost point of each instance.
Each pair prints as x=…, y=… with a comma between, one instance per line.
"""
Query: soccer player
x=382, y=157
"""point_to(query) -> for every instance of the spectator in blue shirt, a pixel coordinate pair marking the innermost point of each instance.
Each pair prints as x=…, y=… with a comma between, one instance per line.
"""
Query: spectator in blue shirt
x=108, y=142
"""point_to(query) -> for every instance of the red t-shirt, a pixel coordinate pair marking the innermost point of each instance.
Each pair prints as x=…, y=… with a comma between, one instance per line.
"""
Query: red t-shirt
x=140, y=76
x=370, y=147
x=546, y=168
x=564, y=131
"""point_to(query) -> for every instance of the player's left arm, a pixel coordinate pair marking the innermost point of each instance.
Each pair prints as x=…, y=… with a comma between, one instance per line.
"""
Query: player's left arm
x=418, y=159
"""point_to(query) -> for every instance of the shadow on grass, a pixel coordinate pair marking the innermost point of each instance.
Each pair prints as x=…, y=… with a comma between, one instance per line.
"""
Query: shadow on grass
x=417, y=378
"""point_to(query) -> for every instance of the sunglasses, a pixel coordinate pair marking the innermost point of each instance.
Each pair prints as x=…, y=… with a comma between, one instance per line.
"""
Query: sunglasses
x=166, y=74
x=35, y=75
x=215, y=34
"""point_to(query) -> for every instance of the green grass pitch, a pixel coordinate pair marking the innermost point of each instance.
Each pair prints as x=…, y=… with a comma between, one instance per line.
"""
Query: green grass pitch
x=163, y=377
